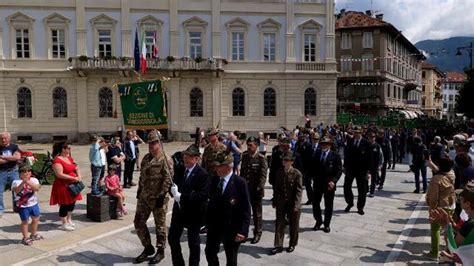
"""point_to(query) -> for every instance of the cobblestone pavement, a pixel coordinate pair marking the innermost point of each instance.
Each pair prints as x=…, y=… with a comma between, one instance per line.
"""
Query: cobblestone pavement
x=394, y=230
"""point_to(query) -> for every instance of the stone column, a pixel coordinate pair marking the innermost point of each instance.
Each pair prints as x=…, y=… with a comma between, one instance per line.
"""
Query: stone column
x=81, y=30
x=82, y=114
x=217, y=102
x=1, y=40
x=174, y=28
x=330, y=33
x=290, y=35
x=3, y=109
x=126, y=32
x=173, y=106
x=216, y=28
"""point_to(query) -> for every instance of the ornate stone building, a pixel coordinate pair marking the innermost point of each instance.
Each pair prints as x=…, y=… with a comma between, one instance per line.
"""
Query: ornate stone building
x=246, y=65
x=452, y=83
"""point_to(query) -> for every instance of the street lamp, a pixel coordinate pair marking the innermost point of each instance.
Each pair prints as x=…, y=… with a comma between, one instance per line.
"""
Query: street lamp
x=469, y=50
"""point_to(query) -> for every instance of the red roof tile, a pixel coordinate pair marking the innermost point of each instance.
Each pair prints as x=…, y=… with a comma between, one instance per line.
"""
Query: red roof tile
x=455, y=77
x=354, y=19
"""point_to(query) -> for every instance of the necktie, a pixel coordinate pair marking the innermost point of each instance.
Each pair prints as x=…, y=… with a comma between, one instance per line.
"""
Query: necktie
x=323, y=156
x=186, y=173
x=357, y=143
x=220, y=186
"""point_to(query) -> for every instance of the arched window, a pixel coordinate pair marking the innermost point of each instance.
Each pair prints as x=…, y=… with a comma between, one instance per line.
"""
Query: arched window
x=105, y=102
x=238, y=102
x=269, y=102
x=310, y=101
x=196, y=102
x=59, y=102
x=23, y=97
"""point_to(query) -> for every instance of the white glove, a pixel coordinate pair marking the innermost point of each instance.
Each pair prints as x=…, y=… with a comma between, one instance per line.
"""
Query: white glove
x=177, y=197
x=174, y=190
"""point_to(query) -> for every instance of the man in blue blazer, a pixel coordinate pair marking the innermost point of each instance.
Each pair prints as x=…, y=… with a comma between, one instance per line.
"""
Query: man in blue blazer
x=190, y=192
x=228, y=211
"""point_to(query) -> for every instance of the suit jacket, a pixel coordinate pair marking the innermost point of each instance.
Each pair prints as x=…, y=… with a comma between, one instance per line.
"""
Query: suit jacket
x=313, y=157
x=194, y=195
x=328, y=170
x=307, y=153
x=356, y=159
x=127, y=150
x=230, y=211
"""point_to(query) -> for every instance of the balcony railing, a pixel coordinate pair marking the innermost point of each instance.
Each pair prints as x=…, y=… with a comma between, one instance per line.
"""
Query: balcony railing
x=102, y=63
x=311, y=66
x=185, y=64
x=360, y=73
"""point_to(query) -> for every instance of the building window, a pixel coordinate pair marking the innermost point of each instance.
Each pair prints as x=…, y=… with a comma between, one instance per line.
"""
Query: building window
x=451, y=98
x=238, y=102
x=309, y=48
x=348, y=91
x=58, y=44
x=346, y=63
x=445, y=105
x=346, y=41
x=389, y=91
x=269, y=47
x=105, y=102
x=105, y=43
x=196, y=103
x=59, y=102
x=269, y=102
x=423, y=74
x=22, y=43
x=238, y=43
x=23, y=97
x=150, y=43
x=310, y=101
x=367, y=40
x=367, y=62
x=195, y=44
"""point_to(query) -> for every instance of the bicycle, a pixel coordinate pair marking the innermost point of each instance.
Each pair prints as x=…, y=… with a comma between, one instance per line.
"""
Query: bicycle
x=46, y=174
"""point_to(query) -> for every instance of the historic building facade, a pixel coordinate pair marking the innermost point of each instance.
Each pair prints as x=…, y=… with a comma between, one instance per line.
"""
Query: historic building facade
x=432, y=99
x=245, y=65
x=452, y=83
x=380, y=70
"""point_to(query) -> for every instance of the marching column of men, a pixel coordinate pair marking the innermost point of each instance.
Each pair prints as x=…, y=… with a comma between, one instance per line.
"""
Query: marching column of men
x=208, y=193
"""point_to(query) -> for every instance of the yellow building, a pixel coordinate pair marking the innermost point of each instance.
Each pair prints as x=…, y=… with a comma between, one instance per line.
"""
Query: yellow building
x=432, y=98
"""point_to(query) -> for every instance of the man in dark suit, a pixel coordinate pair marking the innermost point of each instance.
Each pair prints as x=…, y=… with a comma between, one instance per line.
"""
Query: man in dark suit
x=130, y=159
x=190, y=192
x=228, y=211
x=328, y=171
x=311, y=152
x=356, y=166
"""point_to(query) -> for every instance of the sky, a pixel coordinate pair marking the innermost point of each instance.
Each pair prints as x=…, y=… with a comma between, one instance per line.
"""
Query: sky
x=421, y=19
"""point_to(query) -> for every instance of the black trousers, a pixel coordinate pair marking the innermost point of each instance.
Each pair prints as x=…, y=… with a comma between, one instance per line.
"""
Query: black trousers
x=174, y=237
x=374, y=179
x=383, y=172
x=64, y=209
x=216, y=236
x=309, y=187
x=362, y=185
x=319, y=192
x=128, y=172
x=394, y=157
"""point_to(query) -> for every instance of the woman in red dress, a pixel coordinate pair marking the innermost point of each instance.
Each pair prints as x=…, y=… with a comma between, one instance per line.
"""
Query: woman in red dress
x=66, y=172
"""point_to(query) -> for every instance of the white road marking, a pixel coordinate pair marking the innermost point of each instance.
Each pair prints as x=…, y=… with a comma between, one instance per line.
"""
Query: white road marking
x=62, y=249
x=397, y=248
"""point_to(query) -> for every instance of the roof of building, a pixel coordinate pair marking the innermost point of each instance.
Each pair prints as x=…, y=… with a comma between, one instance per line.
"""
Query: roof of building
x=357, y=20
x=455, y=77
x=426, y=65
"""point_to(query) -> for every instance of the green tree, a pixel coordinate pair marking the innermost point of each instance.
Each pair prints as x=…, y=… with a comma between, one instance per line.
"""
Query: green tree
x=464, y=100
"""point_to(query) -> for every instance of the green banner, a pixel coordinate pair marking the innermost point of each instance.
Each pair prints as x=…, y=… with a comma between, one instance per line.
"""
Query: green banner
x=143, y=105
x=344, y=118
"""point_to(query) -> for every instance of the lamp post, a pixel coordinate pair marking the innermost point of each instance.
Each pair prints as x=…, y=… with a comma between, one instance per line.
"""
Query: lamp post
x=469, y=50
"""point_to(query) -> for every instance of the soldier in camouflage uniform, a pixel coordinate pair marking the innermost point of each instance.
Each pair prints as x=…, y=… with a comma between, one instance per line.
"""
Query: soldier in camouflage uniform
x=287, y=191
x=254, y=170
x=211, y=149
x=154, y=184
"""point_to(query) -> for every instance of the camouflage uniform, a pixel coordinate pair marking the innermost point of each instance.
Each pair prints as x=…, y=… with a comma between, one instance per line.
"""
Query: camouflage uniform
x=254, y=170
x=154, y=184
x=287, y=191
x=208, y=157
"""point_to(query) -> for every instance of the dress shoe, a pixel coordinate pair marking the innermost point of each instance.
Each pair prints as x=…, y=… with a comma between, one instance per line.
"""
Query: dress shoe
x=380, y=187
x=317, y=226
x=255, y=239
x=416, y=191
x=361, y=212
x=203, y=230
x=326, y=229
x=126, y=186
x=371, y=195
x=308, y=202
x=290, y=249
x=133, y=184
x=159, y=256
x=348, y=208
x=276, y=250
x=145, y=254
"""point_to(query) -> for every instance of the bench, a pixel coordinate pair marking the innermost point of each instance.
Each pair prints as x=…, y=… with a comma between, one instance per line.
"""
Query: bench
x=101, y=208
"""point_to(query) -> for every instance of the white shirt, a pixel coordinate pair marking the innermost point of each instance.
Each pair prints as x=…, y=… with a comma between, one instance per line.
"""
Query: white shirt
x=103, y=156
x=226, y=181
x=32, y=200
x=190, y=170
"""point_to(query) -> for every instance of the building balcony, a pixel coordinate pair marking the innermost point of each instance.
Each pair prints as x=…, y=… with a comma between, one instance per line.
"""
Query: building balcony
x=186, y=64
x=310, y=67
x=95, y=63
x=360, y=73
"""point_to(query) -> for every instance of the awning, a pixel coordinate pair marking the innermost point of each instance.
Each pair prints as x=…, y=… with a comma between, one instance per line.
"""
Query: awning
x=405, y=113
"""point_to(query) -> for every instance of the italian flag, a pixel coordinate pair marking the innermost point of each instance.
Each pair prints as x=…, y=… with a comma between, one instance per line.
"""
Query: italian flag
x=154, y=53
x=143, y=65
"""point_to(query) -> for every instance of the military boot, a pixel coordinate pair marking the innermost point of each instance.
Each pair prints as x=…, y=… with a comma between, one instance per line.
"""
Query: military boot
x=159, y=256
x=145, y=254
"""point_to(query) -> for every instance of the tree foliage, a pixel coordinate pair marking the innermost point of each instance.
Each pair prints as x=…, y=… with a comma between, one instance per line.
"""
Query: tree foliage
x=465, y=98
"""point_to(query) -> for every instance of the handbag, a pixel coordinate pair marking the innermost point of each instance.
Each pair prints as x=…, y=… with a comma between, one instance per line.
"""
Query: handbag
x=76, y=188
